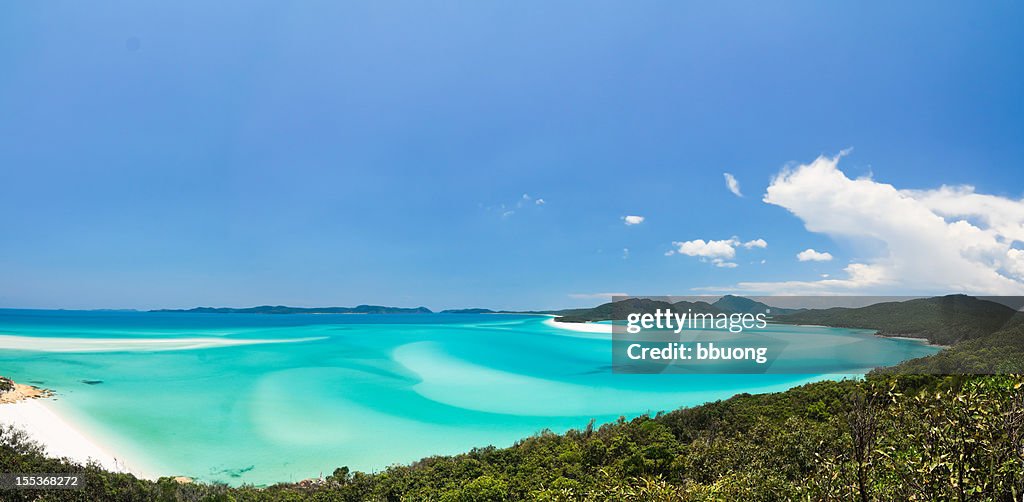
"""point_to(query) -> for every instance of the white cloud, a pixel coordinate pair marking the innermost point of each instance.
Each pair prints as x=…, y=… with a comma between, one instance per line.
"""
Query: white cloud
x=1002, y=215
x=591, y=296
x=625, y=253
x=633, y=220
x=812, y=255
x=1015, y=259
x=860, y=277
x=732, y=184
x=935, y=241
x=707, y=249
x=717, y=252
x=539, y=202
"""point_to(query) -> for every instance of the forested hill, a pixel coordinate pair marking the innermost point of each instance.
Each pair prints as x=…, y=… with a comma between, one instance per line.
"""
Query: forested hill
x=943, y=320
x=620, y=309
x=281, y=309
x=740, y=305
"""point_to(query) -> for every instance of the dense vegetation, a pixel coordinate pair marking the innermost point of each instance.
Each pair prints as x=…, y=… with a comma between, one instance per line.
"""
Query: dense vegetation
x=944, y=320
x=1001, y=352
x=895, y=435
x=620, y=309
x=741, y=305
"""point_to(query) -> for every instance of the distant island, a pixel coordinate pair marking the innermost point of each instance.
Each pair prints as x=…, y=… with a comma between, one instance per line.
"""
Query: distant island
x=361, y=309
x=470, y=311
x=281, y=309
x=942, y=320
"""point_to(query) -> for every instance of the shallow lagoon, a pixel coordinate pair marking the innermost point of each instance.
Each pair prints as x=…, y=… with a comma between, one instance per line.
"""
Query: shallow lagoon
x=250, y=398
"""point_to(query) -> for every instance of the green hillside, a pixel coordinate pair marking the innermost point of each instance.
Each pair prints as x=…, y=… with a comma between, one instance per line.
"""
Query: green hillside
x=617, y=311
x=727, y=304
x=943, y=320
x=741, y=305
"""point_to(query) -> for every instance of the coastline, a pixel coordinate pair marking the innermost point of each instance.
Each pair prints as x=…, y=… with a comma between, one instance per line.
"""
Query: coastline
x=595, y=327
x=581, y=327
x=59, y=436
x=21, y=392
x=914, y=339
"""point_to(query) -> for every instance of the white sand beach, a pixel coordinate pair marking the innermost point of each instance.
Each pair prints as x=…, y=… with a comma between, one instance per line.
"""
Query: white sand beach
x=582, y=327
x=923, y=341
x=58, y=436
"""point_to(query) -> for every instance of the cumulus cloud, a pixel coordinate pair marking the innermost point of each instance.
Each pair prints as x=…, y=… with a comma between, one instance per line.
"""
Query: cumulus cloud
x=732, y=184
x=598, y=296
x=633, y=220
x=949, y=239
x=1004, y=216
x=812, y=255
x=718, y=252
x=539, y=202
x=707, y=249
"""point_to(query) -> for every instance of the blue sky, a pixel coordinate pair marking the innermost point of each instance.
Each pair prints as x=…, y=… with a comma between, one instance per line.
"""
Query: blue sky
x=320, y=153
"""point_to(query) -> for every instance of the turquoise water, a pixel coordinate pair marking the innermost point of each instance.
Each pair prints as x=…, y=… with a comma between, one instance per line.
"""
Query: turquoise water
x=247, y=398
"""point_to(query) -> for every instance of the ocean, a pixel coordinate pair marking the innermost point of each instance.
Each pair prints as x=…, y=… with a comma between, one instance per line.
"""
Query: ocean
x=255, y=398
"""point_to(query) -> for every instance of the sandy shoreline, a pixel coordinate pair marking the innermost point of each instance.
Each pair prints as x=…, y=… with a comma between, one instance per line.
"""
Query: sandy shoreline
x=58, y=436
x=592, y=327
x=582, y=327
x=915, y=339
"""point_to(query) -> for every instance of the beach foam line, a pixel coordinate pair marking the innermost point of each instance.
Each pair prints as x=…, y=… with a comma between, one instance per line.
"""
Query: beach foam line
x=47, y=344
x=59, y=437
